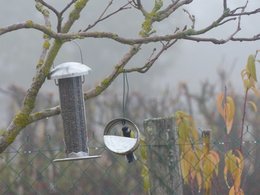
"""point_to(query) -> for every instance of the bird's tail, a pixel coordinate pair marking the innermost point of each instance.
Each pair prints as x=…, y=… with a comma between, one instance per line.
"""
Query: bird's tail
x=130, y=157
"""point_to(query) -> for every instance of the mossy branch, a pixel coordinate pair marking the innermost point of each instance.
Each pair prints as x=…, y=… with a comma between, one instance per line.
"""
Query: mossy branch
x=74, y=15
x=25, y=115
x=150, y=18
x=119, y=68
x=23, y=118
x=104, y=84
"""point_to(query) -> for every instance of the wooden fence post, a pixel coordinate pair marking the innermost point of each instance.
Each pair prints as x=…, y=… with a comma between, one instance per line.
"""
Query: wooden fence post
x=163, y=156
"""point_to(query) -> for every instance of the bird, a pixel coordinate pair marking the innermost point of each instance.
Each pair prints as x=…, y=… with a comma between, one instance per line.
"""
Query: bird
x=129, y=133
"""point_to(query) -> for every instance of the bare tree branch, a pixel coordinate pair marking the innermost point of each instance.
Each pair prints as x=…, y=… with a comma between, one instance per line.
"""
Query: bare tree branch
x=119, y=68
x=56, y=12
x=254, y=38
x=63, y=34
x=188, y=34
x=22, y=119
x=191, y=17
x=44, y=114
x=138, y=5
x=48, y=6
x=151, y=59
x=67, y=6
x=225, y=5
x=227, y=20
x=28, y=25
x=46, y=43
x=170, y=9
x=105, y=83
x=102, y=17
x=58, y=15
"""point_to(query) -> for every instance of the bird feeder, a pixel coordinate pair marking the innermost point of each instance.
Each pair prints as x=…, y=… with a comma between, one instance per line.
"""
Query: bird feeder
x=121, y=136
x=69, y=78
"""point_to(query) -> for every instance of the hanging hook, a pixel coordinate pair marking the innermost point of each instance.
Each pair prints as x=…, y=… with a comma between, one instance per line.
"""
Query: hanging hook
x=125, y=93
x=56, y=82
x=123, y=122
x=83, y=79
x=80, y=51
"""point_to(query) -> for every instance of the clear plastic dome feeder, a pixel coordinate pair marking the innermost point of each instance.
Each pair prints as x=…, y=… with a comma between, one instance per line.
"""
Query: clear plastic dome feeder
x=69, y=76
x=121, y=136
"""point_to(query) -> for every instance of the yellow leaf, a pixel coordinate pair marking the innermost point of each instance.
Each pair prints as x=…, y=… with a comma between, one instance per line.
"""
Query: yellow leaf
x=185, y=169
x=220, y=108
x=256, y=91
x=247, y=84
x=229, y=167
x=250, y=67
x=199, y=180
x=209, y=166
x=186, y=128
x=226, y=108
x=215, y=154
x=232, y=191
x=231, y=108
x=239, y=170
x=216, y=160
x=225, y=176
x=234, y=164
x=253, y=105
x=145, y=176
x=249, y=75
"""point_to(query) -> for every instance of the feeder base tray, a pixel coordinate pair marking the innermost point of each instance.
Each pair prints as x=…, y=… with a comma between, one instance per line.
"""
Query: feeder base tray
x=76, y=158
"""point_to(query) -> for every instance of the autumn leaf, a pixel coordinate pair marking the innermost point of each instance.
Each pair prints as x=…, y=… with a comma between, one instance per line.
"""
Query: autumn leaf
x=226, y=108
x=145, y=176
x=186, y=128
x=144, y=168
x=253, y=105
x=209, y=167
x=209, y=162
x=185, y=167
x=190, y=166
x=187, y=156
x=199, y=180
x=189, y=149
x=248, y=81
x=249, y=75
x=234, y=164
x=232, y=191
x=143, y=150
x=216, y=159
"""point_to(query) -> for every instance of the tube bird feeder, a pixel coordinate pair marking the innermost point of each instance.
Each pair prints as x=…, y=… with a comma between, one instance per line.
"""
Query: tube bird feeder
x=69, y=78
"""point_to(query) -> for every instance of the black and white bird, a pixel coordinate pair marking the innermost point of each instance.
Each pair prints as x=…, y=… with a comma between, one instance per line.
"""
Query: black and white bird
x=129, y=133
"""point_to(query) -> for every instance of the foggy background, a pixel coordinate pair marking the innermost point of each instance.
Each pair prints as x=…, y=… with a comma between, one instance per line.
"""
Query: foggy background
x=187, y=61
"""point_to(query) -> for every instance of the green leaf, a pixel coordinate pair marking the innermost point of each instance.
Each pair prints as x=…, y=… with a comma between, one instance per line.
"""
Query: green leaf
x=145, y=176
x=250, y=67
x=143, y=150
x=253, y=105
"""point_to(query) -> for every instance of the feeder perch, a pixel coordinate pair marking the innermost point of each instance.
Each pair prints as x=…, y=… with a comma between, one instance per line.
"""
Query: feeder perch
x=69, y=77
x=116, y=141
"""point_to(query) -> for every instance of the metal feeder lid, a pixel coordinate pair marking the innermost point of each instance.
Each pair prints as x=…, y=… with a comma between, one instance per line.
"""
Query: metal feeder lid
x=68, y=69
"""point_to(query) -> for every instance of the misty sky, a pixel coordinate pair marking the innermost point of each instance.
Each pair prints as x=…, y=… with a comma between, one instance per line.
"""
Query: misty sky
x=188, y=61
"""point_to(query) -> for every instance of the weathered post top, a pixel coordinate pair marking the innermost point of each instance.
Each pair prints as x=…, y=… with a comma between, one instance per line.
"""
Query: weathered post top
x=69, y=78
